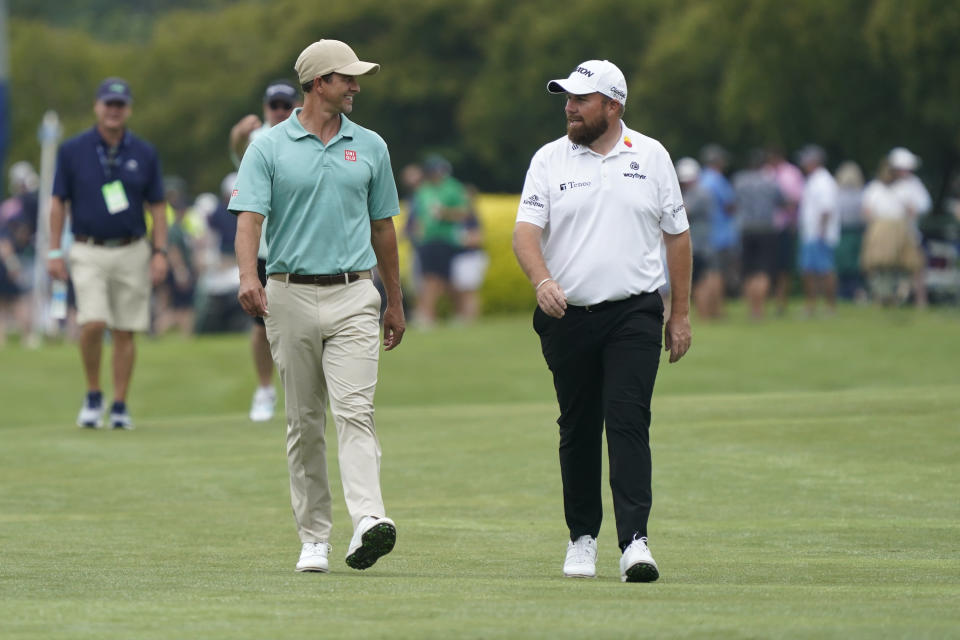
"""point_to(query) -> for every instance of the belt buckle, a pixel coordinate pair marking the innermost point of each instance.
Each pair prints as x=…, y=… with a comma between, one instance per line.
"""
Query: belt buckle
x=346, y=278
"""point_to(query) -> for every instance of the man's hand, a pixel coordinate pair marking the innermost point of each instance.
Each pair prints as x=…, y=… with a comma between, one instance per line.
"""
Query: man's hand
x=676, y=336
x=552, y=299
x=247, y=125
x=158, y=268
x=393, y=325
x=57, y=269
x=253, y=297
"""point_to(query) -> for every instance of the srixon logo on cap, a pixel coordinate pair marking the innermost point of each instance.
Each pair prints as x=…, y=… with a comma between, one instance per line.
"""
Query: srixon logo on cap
x=585, y=71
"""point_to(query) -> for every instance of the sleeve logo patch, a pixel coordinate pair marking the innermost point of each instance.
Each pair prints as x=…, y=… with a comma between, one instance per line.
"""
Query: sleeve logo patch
x=236, y=192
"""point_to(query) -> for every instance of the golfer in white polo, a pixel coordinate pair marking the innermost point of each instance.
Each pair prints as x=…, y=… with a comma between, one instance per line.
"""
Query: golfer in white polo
x=597, y=205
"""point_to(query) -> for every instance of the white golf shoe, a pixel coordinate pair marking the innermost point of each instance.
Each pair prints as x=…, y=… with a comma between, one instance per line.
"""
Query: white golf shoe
x=264, y=401
x=314, y=557
x=581, y=560
x=373, y=539
x=637, y=564
x=90, y=417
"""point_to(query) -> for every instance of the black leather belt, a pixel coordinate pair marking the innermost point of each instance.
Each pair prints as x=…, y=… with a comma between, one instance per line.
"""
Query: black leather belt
x=105, y=242
x=600, y=306
x=322, y=280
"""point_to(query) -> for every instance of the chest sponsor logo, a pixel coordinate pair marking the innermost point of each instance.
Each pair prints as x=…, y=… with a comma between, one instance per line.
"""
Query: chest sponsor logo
x=131, y=165
x=534, y=201
x=634, y=166
x=635, y=175
x=350, y=155
x=573, y=184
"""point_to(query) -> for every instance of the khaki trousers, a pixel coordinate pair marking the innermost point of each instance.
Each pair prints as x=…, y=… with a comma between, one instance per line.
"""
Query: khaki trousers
x=326, y=343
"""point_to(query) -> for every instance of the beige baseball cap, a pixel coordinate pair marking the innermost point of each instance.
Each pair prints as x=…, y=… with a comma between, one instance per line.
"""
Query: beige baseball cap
x=326, y=56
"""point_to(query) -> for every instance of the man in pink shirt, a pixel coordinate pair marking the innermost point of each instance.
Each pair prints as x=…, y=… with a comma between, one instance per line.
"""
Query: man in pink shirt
x=790, y=180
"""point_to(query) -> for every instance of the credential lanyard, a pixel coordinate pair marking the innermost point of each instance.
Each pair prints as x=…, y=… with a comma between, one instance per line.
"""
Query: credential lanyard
x=109, y=161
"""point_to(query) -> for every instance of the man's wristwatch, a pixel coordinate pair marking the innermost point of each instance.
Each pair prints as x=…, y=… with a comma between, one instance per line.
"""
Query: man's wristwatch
x=162, y=250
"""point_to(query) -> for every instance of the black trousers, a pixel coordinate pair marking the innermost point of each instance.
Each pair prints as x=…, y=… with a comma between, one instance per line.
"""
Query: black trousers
x=604, y=362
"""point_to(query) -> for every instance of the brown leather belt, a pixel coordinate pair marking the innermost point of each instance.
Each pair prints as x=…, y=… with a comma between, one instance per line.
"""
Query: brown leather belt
x=322, y=280
x=105, y=242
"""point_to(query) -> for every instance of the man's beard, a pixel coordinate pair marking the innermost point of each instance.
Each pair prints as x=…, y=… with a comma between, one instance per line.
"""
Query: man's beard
x=586, y=133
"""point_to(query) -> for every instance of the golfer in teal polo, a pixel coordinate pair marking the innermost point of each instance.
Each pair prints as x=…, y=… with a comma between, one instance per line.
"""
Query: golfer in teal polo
x=323, y=189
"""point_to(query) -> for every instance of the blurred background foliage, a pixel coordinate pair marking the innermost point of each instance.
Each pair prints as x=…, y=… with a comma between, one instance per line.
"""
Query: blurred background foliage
x=467, y=78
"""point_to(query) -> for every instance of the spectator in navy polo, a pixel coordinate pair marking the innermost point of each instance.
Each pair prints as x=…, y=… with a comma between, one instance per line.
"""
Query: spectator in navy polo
x=107, y=177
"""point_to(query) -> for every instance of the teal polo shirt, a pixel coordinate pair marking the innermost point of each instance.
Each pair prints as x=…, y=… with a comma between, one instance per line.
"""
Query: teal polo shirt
x=318, y=200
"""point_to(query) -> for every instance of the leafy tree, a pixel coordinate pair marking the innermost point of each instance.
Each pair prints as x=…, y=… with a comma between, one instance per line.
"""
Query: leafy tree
x=468, y=78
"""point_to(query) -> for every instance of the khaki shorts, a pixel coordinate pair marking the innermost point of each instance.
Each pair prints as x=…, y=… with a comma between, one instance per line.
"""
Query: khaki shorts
x=112, y=284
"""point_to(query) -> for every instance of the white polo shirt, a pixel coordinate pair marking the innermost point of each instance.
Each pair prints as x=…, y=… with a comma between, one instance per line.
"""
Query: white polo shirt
x=819, y=197
x=603, y=216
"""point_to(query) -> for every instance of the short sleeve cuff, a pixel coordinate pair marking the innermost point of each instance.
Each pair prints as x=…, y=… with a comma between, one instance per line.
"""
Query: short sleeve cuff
x=535, y=219
x=674, y=220
x=237, y=208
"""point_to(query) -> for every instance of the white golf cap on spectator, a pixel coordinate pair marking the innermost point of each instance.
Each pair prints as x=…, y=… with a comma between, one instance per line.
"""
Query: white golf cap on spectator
x=227, y=184
x=593, y=76
x=328, y=56
x=902, y=158
x=688, y=170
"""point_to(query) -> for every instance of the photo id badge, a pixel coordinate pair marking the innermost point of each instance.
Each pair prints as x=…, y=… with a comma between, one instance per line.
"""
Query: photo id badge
x=115, y=197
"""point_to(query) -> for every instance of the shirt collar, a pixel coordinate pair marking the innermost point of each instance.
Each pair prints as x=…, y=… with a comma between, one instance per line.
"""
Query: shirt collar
x=104, y=144
x=294, y=128
x=626, y=144
x=628, y=140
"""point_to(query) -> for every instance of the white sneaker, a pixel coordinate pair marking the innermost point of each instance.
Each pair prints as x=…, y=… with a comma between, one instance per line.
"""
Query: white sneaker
x=313, y=557
x=636, y=563
x=121, y=421
x=373, y=538
x=581, y=561
x=90, y=417
x=264, y=400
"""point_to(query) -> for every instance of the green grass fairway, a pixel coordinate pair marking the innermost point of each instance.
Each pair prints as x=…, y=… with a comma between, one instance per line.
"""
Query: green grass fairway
x=806, y=485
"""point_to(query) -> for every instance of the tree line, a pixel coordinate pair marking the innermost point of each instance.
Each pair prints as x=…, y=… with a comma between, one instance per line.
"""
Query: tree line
x=467, y=78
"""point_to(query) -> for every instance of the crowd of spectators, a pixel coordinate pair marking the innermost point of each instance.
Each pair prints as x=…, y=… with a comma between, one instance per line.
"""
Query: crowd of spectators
x=760, y=232
x=755, y=230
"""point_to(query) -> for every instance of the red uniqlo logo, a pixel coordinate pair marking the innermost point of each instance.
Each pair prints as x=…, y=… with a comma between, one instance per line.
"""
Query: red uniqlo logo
x=351, y=156
x=235, y=193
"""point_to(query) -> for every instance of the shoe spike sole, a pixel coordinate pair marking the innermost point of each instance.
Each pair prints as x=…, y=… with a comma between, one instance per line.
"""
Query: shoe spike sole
x=641, y=572
x=375, y=543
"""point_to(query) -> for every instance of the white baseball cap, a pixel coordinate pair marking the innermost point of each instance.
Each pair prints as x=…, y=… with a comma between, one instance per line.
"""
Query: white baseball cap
x=328, y=56
x=902, y=158
x=593, y=76
x=688, y=170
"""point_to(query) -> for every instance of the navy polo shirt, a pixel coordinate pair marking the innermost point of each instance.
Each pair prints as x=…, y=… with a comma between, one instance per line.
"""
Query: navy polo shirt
x=84, y=166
